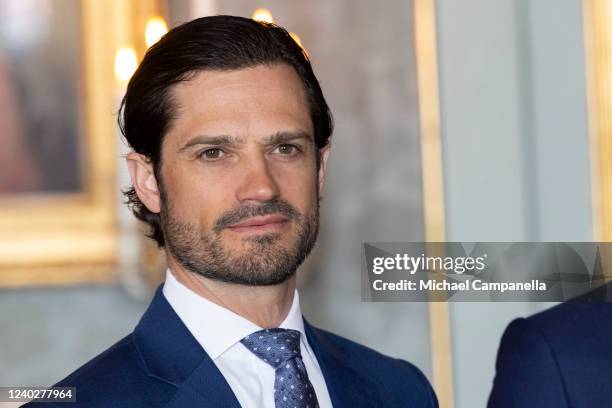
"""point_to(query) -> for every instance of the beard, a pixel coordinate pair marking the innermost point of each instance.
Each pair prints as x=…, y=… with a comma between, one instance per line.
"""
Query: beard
x=264, y=259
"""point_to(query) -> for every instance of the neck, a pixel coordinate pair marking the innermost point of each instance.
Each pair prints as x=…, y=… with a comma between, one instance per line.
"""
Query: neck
x=266, y=306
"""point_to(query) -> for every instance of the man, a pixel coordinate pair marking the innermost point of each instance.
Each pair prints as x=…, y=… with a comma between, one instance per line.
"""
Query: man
x=230, y=133
x=558, y=358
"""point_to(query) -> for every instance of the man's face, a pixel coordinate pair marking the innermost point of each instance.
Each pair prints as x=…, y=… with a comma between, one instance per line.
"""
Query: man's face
x=239, y=185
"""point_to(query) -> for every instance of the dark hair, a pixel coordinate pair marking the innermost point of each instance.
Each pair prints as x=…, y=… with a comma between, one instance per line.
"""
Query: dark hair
x=214, y=43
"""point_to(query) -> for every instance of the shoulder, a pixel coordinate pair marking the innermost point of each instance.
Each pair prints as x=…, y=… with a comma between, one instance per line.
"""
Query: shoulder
x=559, y=332
x=367, y=357
x=117, y=377
x=569, y=321
x=552, y=353
x=578, y=316
x=391, y=375
x=526, y=362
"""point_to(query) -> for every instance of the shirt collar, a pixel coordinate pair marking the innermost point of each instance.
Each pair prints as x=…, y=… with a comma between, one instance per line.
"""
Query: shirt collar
x=203, y=317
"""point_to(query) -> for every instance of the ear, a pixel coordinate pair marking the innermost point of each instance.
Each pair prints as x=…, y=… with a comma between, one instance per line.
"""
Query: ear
x=323, y=165
x=144, y=181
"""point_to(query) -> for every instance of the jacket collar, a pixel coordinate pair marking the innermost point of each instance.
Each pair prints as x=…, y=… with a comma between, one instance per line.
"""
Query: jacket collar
x=170, y=353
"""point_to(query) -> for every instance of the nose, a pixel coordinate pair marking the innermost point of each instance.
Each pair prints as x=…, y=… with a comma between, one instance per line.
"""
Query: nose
x=257, y=181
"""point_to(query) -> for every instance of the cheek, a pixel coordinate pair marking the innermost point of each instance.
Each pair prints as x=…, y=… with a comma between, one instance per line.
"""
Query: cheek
x=299, y=187
x=192, y=198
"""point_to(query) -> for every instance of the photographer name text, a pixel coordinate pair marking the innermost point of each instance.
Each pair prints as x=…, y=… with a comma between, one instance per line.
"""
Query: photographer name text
x=453, y=286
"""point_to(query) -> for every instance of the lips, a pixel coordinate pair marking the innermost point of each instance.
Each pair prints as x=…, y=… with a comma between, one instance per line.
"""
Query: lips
x=260, y=221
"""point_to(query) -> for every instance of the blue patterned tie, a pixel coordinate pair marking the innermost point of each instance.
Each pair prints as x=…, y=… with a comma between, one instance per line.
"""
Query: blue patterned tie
x=281, y=349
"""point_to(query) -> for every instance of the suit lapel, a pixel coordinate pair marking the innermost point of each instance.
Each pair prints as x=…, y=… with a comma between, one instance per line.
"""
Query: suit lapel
x=205, y=387
x=170, y=353
x=347, y=387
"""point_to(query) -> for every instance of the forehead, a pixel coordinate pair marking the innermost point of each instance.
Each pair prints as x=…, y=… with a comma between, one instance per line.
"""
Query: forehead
x=258, y=100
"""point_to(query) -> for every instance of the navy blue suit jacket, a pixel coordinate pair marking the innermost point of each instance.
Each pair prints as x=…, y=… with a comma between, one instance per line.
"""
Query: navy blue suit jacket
x=559, y=358
x=161, y=364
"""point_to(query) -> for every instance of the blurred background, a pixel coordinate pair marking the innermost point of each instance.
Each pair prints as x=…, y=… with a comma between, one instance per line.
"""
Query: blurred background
x=472, y=120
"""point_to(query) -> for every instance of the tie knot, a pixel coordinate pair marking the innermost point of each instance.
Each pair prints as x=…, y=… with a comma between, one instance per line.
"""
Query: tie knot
x=274, y=346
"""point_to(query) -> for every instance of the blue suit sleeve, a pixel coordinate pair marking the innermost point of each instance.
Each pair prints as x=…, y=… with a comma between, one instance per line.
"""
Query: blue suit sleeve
x=527, y=371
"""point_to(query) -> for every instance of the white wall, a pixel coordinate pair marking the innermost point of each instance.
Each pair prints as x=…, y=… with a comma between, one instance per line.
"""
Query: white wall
x=515, y=148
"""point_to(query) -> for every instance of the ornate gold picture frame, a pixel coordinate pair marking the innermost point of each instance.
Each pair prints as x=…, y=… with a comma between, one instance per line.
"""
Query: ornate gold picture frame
x=62, y=238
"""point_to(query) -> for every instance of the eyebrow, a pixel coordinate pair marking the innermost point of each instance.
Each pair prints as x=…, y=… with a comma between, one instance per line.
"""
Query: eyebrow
x=234, y=141
x=284, y=137
x=221, y=140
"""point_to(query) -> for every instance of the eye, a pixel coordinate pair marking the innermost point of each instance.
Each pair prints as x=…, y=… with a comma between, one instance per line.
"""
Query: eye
x=211, y=154
x=288, y=149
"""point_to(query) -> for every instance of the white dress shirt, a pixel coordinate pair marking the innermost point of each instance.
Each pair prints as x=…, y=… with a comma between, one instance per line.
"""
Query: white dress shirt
x=250, y=378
